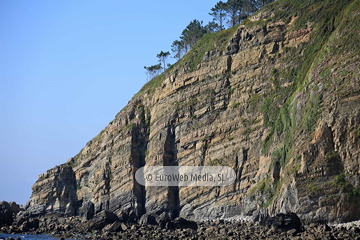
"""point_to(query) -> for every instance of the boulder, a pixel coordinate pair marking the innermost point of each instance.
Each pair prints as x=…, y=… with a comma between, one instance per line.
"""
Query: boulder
x=115, y=227
x=29, y=225
x=6, y=215
x=148, y=219
x=163, y=219
x=100, y=220
x=182, y=223
x=132, y=217
x=8, y=211
x=123, y=216
x=284, y=222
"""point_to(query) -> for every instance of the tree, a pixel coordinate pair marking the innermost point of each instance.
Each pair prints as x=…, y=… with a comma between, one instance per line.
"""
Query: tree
x=219, y=13
x=212, y=27
x=260, y=3
x=238, y=10
x=178, y=48
x=233, y=10
x=153, y=71
x=192, y=33
x=249, y=7
x=162, y=58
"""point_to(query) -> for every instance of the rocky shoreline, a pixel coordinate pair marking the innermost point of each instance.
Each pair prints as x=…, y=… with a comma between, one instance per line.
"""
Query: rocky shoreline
x=106, y=225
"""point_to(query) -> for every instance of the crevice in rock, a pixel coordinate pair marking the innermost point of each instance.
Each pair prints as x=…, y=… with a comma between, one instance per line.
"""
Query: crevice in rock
x=139, y=143
x=203, y=149
x=170, y=159
x=239, y=167
x=229, y=63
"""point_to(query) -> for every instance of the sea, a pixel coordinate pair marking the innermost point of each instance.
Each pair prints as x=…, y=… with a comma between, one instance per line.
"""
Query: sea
x=30, y=237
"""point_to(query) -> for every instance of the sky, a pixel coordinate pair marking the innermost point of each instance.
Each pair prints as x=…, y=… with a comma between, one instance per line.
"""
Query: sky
x=67, y=68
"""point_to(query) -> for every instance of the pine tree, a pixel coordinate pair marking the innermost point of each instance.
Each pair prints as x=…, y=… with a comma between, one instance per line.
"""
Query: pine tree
x=162, y=58
x=219, y=13
x=153, y=71
x=192, y=33
x=178, y=48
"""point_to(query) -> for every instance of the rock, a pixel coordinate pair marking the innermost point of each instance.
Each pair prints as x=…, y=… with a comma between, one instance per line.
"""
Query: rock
x=123, y=227
x=8, y=212
x=147, y=219
x=182, y=223
x=87, y=210
x=284, y=222
x=132, y=217
x=29, y=225
x=100, y=220
x=115, y=227
x=163, y=219
x=124, y=216
x=21, y=217
x=324, y=228
x=59, y=194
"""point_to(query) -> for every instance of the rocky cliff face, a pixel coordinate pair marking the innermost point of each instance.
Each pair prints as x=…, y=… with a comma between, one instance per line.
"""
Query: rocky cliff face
x=277, y=99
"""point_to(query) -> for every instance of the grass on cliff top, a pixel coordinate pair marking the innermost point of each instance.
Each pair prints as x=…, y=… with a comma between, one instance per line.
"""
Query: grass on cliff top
x=210, y=41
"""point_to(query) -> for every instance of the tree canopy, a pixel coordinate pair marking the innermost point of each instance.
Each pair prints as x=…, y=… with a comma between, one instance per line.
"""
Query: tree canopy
x=153, y=71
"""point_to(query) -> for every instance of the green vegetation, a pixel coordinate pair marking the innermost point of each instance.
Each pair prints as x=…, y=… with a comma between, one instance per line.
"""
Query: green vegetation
x=235, y=105
x=279, y=114
x=74, y=161
x=129, y=126
x=216, y=162
x=153, y=71
x=332, y=156
x=162, y=56
x=357, y=135
x=312, y=188
x=210, y=41
x=233, y=12
x=312, y=112
x=340, y=182
x=254, y=99
x=249, y=130
x=262, y=187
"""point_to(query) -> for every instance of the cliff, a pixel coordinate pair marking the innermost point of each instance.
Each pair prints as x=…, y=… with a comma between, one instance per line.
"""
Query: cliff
x=277, y=99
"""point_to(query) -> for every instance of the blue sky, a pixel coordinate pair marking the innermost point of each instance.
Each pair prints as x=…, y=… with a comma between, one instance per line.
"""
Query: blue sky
x=67, y=68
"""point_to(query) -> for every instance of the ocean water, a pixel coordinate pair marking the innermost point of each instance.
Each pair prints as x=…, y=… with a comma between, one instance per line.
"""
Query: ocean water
x=29, y=237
